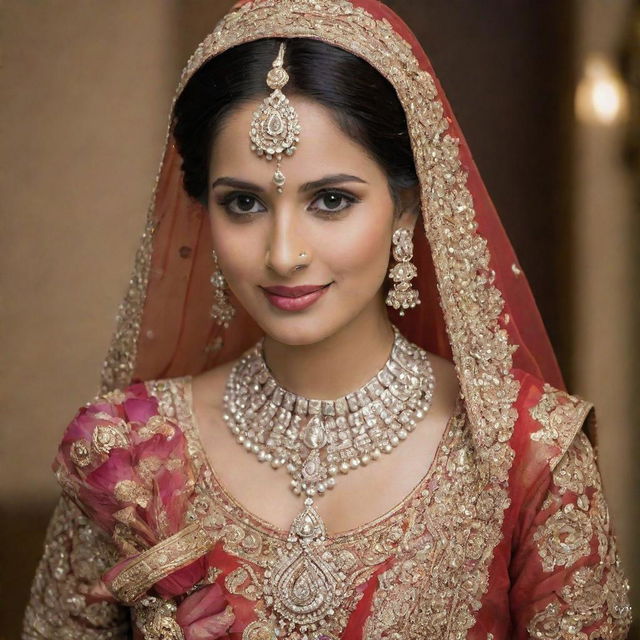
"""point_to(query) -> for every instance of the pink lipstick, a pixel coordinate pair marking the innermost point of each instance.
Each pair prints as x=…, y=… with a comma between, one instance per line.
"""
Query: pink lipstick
x=294, y=298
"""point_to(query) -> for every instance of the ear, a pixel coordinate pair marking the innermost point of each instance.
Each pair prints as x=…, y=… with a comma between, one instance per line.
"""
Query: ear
x=408, y=210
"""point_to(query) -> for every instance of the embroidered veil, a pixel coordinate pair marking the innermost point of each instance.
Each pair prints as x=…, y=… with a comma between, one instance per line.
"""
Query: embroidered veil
x=477, y=310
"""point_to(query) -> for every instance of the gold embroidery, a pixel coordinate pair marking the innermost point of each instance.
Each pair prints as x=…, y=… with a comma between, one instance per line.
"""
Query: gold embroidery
x=564, y=538
x=116, y=396
x=80, y=453
x=448, y=548
x=131, y=491
x=174, y=463
x=159, y=561
x=584, y=603
x=103, y=439
x=156, y=619
x=595, y=594
x=259, y=630
x=244, y=581
x=561, y=416
x=148, y=467
x=76, y=553
x=107, y=437
x=439, y=541
x=156, y=424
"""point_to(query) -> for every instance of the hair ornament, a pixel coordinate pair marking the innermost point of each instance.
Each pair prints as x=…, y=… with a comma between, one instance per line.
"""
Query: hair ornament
x=275, y=127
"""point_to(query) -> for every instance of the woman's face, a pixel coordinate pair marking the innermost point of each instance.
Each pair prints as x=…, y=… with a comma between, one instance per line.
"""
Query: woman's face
x=336, y=208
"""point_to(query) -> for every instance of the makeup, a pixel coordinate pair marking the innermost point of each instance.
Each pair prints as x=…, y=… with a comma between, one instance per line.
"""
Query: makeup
x=294, y=298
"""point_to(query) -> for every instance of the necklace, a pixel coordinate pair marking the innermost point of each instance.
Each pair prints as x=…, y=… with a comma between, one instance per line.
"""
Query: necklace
x=316, y=441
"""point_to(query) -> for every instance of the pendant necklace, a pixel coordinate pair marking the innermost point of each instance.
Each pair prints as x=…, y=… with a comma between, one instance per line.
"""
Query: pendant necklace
x=317, y=441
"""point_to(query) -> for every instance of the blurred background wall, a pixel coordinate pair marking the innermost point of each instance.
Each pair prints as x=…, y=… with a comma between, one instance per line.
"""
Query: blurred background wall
x=86, y=89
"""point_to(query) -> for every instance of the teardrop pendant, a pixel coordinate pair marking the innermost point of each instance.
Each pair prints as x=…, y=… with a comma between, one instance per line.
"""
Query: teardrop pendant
x=304, y=586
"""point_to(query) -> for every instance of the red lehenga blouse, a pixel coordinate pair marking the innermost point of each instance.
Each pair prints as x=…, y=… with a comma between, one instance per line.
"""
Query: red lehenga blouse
x=507, y=536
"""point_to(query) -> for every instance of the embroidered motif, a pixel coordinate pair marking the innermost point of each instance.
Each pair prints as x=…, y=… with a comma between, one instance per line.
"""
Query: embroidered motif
x=156, y=424
x=564, y=538
x=107, y=437
x=244, y=581
x=594, y=594
x=148, y=467
x=419, y=597
x=161, y=560
x=81, y=453
x=561, y=416
x=156, y=619
x=259, y=630
x=131, y=491
x=76, y=553
x=583, y=603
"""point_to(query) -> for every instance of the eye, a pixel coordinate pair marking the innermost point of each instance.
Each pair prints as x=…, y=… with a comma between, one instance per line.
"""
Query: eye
x=241, y=203
x=333, y=201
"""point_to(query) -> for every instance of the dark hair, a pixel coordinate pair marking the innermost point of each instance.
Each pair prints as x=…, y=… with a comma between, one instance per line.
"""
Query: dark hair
x=363, y=103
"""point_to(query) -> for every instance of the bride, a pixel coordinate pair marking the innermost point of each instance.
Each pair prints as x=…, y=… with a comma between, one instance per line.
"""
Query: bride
x=330, y=408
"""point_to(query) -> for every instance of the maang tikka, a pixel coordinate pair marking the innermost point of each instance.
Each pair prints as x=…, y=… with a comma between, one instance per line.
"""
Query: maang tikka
x=222, y=310
x=275, y=128
x=401, y=295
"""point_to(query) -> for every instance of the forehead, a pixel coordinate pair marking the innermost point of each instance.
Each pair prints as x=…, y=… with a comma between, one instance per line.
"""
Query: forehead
x=323, y=148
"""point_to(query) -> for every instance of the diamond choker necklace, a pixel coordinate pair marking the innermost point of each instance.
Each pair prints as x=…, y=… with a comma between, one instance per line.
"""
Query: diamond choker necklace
x=317, y=440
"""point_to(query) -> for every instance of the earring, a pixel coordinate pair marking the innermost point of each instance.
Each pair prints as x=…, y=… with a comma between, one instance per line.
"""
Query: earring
x=402, y=296
x=222, y=310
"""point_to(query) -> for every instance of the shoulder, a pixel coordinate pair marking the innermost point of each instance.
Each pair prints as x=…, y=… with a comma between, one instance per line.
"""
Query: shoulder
x=116, y=453
x=549, y=420
x=548, y=435
x=106, y=422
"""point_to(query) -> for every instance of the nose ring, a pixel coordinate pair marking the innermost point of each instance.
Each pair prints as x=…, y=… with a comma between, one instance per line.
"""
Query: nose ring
x=303, y=254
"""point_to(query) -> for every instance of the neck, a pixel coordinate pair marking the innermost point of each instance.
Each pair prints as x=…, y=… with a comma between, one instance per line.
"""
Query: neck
x=338, y=364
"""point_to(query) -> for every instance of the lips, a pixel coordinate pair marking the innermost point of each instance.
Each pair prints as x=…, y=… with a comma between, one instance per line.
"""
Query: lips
x=294, y=298
x=294, y=292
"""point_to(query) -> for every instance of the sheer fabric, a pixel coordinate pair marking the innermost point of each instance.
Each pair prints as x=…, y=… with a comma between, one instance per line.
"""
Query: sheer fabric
x=507, y=537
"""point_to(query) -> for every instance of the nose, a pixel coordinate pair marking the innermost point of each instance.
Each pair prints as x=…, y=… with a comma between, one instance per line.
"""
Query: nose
x=286, y=251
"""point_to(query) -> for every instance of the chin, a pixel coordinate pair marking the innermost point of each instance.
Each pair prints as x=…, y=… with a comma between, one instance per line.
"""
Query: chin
x=299, y=331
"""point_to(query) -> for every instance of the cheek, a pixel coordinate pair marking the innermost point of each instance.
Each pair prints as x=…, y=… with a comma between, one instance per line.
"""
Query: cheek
x=360, y=249
x=238, y=246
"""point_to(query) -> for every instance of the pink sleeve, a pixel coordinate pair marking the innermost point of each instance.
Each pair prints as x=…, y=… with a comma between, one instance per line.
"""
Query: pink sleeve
x=566, y=579
x=123, y=464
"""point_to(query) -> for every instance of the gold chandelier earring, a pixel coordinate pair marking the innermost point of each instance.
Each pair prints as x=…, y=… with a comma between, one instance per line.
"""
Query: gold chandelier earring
x=402, y=296
x=222, y=310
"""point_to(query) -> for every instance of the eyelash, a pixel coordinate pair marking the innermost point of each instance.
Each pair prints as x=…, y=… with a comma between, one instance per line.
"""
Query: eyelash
x=226, y=200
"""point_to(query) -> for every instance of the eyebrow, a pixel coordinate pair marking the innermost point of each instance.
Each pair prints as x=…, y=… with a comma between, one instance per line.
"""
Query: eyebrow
x=307, y=186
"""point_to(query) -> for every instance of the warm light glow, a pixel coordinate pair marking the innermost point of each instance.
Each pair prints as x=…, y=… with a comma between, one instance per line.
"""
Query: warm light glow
x=601, y=96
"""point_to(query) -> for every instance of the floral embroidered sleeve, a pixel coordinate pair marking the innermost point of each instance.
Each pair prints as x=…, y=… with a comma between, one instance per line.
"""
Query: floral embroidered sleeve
x=567, y=582
x=75, y=555
x=128, y=487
